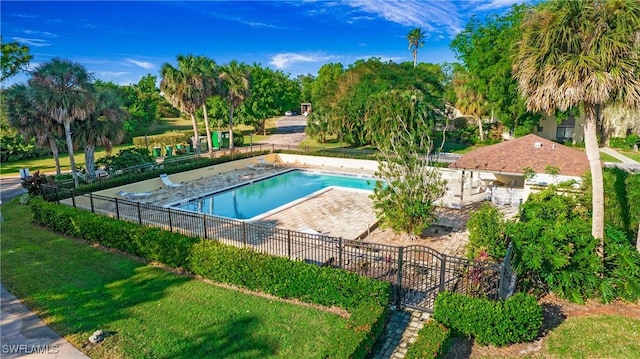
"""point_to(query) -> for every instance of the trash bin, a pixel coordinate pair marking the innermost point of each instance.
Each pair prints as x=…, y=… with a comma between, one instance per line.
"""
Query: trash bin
x=168, y=151
x=225, y=140
x=157, y=152
x=215, y=140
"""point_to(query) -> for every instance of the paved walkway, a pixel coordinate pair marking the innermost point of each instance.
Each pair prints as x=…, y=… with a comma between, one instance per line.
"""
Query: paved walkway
x=627, y=164
x=24, y=335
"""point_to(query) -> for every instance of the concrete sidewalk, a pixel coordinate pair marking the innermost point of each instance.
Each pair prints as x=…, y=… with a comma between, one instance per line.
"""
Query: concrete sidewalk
x=24, y=335
x=627, y=164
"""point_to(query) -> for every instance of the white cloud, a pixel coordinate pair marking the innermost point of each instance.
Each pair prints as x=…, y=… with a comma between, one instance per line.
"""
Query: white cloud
x=144, y=64
x=31, y=42
x=430, y=15
x=285, y=60
x=497, y=4
x=111, y=74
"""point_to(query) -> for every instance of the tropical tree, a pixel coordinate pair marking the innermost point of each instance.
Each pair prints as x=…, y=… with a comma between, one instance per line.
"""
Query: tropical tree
x=582, y=54
x=103, y=127
x=416, y=40
x=469, y=100
x=15, y=59
x=187, y=87
x=235, y=87
x=23, y=115
x=63, y=90
x=406, y=201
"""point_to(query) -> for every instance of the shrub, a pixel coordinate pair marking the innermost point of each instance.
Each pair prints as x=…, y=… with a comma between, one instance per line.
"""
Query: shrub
x=432, y=342
x=515, y=320
x=487, y=233
x=553, y=247
x=33, y=183
x=151, y=243
x=622, y=268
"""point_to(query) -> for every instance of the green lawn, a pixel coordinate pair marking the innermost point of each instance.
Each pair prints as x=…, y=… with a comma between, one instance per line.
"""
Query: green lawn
x=77, y=288
x=633, y=155
x=608, y=158
x=602, y=336
x=47, y=164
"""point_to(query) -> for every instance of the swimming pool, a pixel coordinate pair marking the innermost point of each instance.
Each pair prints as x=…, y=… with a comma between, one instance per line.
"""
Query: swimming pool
x=255, y=199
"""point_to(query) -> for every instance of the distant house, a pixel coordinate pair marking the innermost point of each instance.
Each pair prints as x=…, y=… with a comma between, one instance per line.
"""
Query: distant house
x=616, y=122
x=508, y=160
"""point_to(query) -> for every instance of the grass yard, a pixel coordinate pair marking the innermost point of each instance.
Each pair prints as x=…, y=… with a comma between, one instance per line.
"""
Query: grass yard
x=47, y=164
x=151, y=313
x=608, y=158
x=633, y=155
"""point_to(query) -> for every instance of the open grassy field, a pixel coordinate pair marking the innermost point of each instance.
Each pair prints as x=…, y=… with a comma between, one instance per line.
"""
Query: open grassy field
x=149, y=312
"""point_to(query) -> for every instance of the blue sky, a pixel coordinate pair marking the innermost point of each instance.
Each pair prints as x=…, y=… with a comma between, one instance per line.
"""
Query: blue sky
x=121, y=41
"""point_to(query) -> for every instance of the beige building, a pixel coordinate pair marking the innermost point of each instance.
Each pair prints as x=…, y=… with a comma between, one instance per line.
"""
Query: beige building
x=616, y=122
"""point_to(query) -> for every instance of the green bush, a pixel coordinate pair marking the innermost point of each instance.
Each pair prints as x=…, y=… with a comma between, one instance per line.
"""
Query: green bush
x=633, y=197
x=165, y=139
x=487, y=233
x=515, y=320
x=151, y=243
x=553, y=247
x=622, y=268
x=625, y=143
x=432, y=342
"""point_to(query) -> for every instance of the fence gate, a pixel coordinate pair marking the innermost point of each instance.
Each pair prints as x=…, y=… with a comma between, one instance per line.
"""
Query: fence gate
x=420, y=278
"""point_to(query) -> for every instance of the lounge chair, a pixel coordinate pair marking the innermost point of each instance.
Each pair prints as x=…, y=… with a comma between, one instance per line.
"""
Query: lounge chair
x=257, y=166
x=309, y=230
x=262, y=162
x=132, y=196
x=166, y=180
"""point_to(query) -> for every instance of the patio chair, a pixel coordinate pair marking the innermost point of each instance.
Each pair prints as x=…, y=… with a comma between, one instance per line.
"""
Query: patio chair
x=167, y=181
x=309, y=230
x=132, y=196
x=262, y=162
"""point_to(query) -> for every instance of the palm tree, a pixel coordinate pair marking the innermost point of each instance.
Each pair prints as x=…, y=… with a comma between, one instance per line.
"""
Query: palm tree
x=63, y=91
x=102, y=127
x=24, y=116
x=416, y=39
x=581, y=54
x=209, y=73
x=468, y=100
x=184, y=88
x=235, y=87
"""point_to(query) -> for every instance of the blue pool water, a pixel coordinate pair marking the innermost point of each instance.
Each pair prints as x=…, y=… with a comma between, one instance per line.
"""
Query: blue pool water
x=250, y=200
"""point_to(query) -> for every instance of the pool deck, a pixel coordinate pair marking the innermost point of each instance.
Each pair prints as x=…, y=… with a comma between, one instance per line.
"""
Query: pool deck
x=337, y=212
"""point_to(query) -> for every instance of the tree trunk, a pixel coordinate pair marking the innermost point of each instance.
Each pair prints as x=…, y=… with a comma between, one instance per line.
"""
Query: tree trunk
x=597, y=183
x=207, y=128
x=481, y=131
x=196, y=135
x=444, y=135
x=55, y=152
x=231, y=129
x=89, y=159
x=72, y=160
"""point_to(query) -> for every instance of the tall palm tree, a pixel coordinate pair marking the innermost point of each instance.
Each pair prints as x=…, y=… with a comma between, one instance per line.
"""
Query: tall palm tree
x=184, y=88
x=581, y=53
x=63, y=90
x=235, y=87
x=416, y=40
x=209, y=72
x=24, y=116
x=468, y=100
x=102, y=127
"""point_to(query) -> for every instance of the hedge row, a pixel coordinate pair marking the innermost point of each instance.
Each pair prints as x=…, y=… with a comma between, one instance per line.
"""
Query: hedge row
x=365, y=299
x=170, y=138
x=433, y=342
x=515, y=320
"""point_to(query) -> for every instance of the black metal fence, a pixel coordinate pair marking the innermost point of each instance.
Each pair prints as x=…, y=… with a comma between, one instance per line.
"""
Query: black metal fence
x=418, y=273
